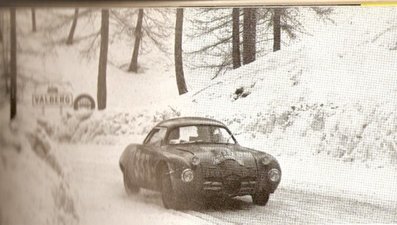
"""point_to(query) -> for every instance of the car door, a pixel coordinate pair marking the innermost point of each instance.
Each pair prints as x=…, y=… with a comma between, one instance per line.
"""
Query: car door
x=149, y=154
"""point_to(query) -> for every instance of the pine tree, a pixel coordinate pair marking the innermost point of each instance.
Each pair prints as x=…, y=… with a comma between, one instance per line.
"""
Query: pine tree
x=33, y=20
x=180, y=79
x=5, y=51
x=69, y=41
x=13, y=65
x=218, y=51
x=236, y=38
x=287, y=20
x=101, y=91
x=138, y=36
x=249, y=35
x=151, y=29
x=276, y=30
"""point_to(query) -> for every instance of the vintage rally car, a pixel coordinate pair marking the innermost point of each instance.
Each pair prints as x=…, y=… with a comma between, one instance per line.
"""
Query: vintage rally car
x=197, y=158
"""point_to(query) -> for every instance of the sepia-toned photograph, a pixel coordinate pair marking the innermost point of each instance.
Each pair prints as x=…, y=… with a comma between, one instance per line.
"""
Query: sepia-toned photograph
x=198, y=115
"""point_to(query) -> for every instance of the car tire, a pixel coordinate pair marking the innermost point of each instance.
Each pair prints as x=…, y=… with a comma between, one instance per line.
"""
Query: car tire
x=129, y=187
x=260, y=198
x=170, y=198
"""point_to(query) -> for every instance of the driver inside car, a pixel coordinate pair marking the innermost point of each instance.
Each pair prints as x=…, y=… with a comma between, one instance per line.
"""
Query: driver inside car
x=202, y=135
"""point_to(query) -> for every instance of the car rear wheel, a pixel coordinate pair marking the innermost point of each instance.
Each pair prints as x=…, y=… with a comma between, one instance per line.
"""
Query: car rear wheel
x=130, y=188
x=171, y=200
x=260, y=198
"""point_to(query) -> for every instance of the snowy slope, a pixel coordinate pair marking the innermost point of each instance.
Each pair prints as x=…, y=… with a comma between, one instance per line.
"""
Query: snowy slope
x=332, y=93
x=302, y=95
x=33, y=189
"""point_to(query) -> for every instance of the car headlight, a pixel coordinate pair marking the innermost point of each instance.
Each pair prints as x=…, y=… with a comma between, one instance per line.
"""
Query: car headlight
x=187, y=175
x=195, y=161
x=274, y=175
x=266, y=160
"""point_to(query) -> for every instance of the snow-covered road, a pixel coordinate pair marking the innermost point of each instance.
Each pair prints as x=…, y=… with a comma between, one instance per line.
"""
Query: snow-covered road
x=94, y=174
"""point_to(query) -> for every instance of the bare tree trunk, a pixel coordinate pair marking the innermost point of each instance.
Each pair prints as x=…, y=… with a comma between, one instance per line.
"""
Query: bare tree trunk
x=69, y=41
x=249, y=35
x=138, y=36
x=236, y=38
x=276, y=30
x=180, y=78
x=101, y=92
x=5, y=54
x=33, y=20
x=13, y=64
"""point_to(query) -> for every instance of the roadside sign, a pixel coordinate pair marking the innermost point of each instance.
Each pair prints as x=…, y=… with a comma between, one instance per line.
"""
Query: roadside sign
x=84, y=101
x=53, y=99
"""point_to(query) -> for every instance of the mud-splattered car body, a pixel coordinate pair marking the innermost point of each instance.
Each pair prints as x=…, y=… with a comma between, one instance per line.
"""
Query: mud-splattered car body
x=192, y=157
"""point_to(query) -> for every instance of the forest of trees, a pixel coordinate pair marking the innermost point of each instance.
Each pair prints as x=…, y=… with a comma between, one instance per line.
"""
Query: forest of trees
x=243, y=34
x=236, y=36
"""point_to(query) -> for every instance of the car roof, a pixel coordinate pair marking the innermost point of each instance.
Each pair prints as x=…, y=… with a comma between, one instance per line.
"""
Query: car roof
x=186, y=121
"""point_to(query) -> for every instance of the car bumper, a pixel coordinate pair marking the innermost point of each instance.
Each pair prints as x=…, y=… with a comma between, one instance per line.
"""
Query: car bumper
x=205, y=187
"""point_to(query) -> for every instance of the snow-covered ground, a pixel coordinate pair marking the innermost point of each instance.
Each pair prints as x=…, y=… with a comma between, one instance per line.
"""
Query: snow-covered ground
x=104, y=201
x=325, y=106
x=33, y=189
x=102, y=197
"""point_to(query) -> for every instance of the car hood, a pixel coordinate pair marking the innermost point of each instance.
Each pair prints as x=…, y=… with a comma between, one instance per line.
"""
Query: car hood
x=214, y=154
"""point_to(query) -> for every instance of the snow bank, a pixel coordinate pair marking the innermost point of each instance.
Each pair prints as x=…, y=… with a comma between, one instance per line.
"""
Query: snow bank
x=349, y=133
x=325, y=95
x=32, y=188
x=105, y=127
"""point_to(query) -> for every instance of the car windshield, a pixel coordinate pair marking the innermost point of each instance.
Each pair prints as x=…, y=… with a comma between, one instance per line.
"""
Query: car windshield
x=200, y=134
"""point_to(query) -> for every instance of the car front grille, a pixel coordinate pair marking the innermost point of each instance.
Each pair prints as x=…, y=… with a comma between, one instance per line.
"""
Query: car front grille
x=229, y=177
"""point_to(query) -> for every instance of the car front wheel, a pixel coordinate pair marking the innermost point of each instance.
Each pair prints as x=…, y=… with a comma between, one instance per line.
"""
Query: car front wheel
x=170, y=198
x=130, y=188
x=260, y=198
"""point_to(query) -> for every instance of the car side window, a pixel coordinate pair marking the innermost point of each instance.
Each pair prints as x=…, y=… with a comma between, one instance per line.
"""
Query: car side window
x=156, y=136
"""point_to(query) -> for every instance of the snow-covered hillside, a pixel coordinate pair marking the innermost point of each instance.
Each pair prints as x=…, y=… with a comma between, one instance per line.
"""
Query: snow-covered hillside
x=332, y=93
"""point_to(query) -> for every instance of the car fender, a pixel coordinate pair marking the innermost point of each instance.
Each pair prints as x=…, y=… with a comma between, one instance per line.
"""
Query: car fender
x=126, y=156
x=263, y=170
x=174, y=162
